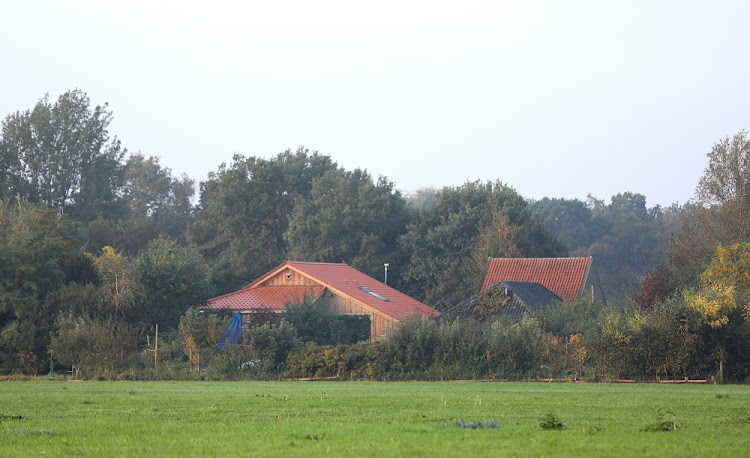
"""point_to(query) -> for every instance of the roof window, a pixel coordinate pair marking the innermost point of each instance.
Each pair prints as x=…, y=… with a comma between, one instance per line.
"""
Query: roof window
x=368, y=290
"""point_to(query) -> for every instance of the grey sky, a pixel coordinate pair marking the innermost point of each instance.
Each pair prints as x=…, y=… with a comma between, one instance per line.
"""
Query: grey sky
x=556, y=98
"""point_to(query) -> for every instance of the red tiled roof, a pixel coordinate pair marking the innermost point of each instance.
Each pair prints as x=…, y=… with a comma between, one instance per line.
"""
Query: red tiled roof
x=346, y=280
x=264, y=297
x=563, y=276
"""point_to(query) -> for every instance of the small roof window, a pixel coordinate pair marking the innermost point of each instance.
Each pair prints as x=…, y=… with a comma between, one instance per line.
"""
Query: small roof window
x=368, y=290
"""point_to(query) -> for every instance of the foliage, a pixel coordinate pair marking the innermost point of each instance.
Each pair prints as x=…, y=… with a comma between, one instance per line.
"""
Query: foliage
x=446, y=248
x=244, y=213
x=665, y=421
x=516, y=349
x=725, y=285
x=459, y=352
x=316, y=321
x=625, y=237
x=34, y=243
x=551, y=421
x=347, y=217
x=572, y=317
x=690, y=250
x=572, y=221
x=119, y=280
x=655, y=288
x=723, y=298
x=230, y=363
x=61, y=154
x=199, y=334
x=363, y=360
x=94, y=346
x=725, y=187
x=68, y=192
x=173, y=278
x=76, y=298
x=150, y=188
x=270, y=344
x=665, y=339
x=158, y=202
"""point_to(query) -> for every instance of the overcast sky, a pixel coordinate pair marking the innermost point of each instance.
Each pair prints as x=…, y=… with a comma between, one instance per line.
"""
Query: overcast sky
x=556, y=98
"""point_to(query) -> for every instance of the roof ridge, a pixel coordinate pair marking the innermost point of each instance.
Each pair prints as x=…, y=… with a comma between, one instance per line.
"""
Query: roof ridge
x=319, y=263
x=287, y=286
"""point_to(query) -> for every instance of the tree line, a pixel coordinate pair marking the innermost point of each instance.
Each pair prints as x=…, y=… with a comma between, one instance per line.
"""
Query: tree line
x=94, y=235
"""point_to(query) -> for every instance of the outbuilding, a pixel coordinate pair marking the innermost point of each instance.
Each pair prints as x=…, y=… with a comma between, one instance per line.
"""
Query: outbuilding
x=348, y=290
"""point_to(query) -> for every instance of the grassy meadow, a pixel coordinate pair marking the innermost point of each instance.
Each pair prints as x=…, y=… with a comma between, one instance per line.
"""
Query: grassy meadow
x=371, y=418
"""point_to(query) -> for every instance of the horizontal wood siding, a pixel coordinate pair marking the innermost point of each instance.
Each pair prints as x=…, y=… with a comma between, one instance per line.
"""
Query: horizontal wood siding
x=380, y=324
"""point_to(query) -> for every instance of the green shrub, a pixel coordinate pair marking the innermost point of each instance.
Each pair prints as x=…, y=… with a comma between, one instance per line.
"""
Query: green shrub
x=268, y=347
x=665, y=421
x=516, y=349
x=315, y=321
x=97, y=348
x=551, y=422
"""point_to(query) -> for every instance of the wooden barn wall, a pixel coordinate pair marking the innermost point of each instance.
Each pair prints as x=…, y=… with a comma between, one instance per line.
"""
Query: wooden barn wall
x=380, y=325
x=295, y=278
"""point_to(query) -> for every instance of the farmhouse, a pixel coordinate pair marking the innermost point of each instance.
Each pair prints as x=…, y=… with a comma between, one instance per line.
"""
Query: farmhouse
x=568, y=278
x=348, y=290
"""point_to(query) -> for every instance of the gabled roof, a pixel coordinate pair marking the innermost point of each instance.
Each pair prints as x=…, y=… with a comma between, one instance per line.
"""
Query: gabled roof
x=565, y=277
x=265, y=297
x=351, y=282
x=507, y=298
x=533, y=295
x=340, y=279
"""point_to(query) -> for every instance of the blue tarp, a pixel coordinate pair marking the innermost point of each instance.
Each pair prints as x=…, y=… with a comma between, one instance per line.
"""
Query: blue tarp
x=233, y=334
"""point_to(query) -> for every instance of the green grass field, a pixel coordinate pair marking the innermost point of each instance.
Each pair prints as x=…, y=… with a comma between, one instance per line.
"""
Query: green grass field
x=369, y=418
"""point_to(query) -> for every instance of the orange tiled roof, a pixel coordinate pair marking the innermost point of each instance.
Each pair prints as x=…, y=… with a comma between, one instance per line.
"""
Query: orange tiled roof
x=346, y=280
x=264, y=297
x=563, y=276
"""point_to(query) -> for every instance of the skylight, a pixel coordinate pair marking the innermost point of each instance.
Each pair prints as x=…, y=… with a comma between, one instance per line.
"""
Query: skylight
x=368, y=290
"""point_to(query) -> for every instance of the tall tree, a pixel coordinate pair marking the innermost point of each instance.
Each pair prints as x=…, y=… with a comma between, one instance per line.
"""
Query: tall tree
x=61, y=154
x=440, y=248
x=174, y=278
x=33, y=245
x=150, y=188
x=723, y=298
x=725, y=188
x=119, y=281
x=244, y=213
x=625, y=237
x=721, y=214
x=147, y=185
x=571, y=220
x=348, y=217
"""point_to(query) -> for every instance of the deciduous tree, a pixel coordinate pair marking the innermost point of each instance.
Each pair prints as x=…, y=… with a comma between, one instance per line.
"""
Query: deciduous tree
x=121, y=287
x=348, y=217
x=61, y=154
x=173, y=278
x=245, y=209
x=723, y=296
x=34, y=242
x=442, y=249
x=725, y=188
